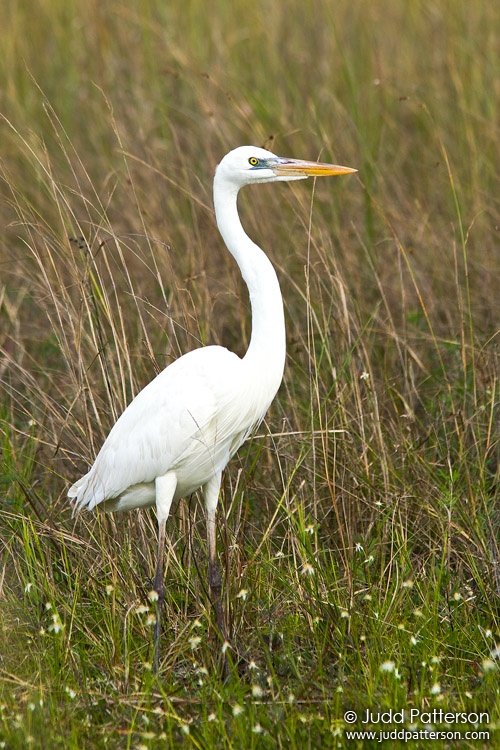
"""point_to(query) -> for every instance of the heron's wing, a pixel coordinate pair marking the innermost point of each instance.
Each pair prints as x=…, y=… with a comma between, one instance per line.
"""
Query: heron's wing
x=166, y=426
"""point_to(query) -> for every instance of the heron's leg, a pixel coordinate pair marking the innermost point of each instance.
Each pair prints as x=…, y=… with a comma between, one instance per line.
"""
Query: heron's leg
x=211, y=494
x=165, y=490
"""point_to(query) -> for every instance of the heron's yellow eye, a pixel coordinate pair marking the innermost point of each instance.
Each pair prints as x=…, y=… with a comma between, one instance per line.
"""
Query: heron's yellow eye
x=253, y=161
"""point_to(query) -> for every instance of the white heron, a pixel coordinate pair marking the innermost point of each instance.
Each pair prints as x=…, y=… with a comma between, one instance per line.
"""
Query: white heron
x=180, y=431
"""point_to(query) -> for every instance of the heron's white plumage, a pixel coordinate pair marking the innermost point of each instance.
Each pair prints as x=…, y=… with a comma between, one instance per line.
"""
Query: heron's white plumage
x=179, y=433
x=188, y=420
x=195, y=414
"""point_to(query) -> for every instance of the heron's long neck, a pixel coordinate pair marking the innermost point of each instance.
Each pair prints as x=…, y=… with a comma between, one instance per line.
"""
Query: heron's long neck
x=267, y=343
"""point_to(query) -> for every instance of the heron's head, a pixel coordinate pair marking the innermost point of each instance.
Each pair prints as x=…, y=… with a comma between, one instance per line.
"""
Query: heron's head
x=248, y=164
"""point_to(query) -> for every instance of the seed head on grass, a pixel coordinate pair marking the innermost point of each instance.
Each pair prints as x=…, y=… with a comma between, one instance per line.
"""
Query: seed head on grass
x=388, y=666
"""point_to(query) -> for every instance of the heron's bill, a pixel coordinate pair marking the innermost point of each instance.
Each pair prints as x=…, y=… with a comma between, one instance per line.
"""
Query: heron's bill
x=299, y=168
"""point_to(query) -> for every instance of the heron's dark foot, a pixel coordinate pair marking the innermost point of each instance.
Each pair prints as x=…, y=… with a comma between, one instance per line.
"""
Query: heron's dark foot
x=159, y=589
x=215, y=589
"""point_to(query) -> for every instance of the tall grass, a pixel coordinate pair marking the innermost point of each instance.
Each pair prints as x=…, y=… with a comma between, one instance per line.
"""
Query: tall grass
x=358, y=530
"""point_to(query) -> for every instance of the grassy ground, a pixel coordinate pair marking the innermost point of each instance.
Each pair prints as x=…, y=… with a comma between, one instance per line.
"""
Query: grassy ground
x=359, y=529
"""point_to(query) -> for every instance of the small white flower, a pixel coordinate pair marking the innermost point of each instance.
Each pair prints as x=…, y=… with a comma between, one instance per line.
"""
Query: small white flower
x=57, y=625
x=488, y=665
x=387, y=666
x=242, y=594
x=309, y=529
x=257, y=691
x=237, y=709
x=364, y=375
x=436, y=689
x=495, y=654
x=151, y=619
x=308, y=569
x=28, y=587
x=141, y=609
x=194, y=642
x=153, y=596
x=257, y=729
x=109, y=589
